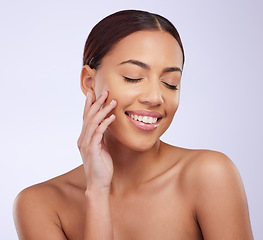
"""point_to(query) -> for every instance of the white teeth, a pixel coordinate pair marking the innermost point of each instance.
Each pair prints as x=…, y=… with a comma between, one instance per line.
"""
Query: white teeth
x=144, y=119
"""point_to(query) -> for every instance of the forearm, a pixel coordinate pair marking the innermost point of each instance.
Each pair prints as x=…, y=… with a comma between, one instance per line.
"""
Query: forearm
x=98, y=225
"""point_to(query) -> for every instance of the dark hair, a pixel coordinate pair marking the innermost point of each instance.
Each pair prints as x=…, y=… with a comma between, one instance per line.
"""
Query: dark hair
x=116, y=26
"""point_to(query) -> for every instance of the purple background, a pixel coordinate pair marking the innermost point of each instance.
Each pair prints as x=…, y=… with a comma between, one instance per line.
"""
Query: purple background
x=41, y=101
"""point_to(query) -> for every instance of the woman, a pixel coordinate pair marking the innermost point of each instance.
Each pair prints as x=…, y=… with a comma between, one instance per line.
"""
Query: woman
x=132, y=185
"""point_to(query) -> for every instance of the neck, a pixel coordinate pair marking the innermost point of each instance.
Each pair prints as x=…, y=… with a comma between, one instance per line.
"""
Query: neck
x=131, y=167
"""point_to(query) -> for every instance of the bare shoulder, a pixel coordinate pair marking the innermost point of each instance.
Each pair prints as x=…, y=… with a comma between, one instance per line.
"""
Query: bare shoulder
x=203, y=165
x=198, y=165
x=207, y=173
x=217, y=194
x=36, y=208
x=49, y=193
x=41, y=192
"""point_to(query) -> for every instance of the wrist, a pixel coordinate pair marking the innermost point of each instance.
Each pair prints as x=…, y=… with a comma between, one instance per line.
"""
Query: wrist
x=97, y=192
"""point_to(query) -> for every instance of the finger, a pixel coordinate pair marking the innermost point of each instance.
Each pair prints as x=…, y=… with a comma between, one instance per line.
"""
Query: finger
x=96, y=106
x=88, y=104
x=102, y=114
x=97, y=120
x=88, y=113
x=98, y=135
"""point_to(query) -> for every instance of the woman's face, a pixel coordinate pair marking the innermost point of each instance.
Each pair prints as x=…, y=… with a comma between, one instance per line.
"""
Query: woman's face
x=143, y=73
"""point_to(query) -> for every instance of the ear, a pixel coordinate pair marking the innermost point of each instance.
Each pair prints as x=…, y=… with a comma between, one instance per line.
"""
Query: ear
x=87, y=80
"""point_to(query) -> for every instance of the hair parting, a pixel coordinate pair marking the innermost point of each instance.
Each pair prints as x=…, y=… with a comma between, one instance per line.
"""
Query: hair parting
x=113, y=28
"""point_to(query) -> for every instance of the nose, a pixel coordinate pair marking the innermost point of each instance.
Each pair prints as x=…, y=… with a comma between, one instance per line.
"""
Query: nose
x=151, y=94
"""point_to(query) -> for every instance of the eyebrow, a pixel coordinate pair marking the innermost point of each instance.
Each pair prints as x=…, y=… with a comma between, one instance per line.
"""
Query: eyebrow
x=172, y=69
x=147, y=67
x=138, y=63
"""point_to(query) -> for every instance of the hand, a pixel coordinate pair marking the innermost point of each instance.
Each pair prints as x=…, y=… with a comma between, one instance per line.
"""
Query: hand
x=97, y=161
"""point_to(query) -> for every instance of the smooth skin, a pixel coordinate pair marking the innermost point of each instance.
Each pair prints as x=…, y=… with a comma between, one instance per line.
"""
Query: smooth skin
x=132, y=186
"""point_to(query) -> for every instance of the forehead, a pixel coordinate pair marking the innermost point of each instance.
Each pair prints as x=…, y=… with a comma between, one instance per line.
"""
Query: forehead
x=147, y=46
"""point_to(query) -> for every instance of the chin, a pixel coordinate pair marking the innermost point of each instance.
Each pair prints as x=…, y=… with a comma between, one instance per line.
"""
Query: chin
x=142, y=147
x=132, y=141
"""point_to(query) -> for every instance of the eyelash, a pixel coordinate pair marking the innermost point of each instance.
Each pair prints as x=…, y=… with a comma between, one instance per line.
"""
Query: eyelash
x=138, y=79
x=173, y=87
x=132, y=79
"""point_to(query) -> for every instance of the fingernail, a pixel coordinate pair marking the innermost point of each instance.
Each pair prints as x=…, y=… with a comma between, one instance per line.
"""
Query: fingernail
x=112, y=101
x=112, y=116
x=104, y=92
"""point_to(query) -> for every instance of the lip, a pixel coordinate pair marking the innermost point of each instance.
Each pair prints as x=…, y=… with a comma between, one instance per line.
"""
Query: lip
x=147, y=127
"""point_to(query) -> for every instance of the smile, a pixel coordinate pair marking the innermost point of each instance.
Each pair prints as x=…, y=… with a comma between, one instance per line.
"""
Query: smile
x=144, y=120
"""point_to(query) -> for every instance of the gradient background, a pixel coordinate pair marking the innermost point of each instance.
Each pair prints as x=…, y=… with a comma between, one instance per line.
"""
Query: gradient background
x=41, y=101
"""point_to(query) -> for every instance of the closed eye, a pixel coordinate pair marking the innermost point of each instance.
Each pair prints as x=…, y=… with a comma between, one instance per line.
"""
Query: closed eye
x=132, y=79
x=173, y=87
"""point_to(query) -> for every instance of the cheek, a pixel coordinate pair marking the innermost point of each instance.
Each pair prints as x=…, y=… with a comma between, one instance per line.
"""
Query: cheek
x=172, y=103
x=123, y=93
x=106, y=80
